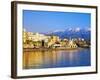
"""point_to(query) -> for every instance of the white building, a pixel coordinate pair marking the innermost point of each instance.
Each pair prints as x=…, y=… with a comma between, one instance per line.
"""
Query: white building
x=71, y=44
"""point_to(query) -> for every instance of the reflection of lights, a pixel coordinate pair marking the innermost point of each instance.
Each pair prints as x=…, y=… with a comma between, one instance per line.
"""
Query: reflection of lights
x=73, y=58
x=33, y=59
x=40, y=59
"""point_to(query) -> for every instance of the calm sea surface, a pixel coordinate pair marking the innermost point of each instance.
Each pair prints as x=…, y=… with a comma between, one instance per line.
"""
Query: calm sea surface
x=56, y=58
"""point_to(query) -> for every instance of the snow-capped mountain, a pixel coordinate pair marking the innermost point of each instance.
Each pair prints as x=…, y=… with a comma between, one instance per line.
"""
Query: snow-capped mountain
x=73, y=33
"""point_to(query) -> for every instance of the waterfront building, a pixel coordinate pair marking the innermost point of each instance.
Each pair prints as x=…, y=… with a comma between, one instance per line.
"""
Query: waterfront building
x=32, y=40
x=24, y=36
x=37, y=40
x=53, y=40
x=39, y=37
x=57, y=45
x=64, y=42
x=30, y=36
x=34, y=36
x=71, y=44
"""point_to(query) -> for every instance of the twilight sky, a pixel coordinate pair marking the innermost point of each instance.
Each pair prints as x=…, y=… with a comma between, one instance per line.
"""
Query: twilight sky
x=46, y=21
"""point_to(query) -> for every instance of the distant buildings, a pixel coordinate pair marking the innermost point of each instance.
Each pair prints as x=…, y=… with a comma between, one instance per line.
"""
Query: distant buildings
x=37, y=40
x=34, y=36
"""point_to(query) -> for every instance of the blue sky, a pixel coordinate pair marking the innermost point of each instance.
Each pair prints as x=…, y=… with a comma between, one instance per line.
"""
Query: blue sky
x=46, y=21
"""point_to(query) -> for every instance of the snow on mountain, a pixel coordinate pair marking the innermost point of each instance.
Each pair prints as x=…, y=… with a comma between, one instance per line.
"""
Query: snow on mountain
x=73, y=33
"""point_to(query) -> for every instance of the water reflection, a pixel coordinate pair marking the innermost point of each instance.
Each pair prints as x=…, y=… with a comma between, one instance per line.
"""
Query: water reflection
x=56, y=58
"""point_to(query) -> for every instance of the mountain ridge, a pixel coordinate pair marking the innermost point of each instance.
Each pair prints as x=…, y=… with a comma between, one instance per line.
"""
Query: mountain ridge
x=72, y=33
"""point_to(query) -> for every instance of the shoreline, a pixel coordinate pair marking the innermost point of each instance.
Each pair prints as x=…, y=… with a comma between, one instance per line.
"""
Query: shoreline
x=46, y=49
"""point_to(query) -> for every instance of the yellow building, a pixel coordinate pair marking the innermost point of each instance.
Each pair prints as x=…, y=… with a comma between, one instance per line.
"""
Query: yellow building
x=34, y=36
x=71, y=44
x=30, y=37
x=24, y=36
x=53, y=40
x=39, y=37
